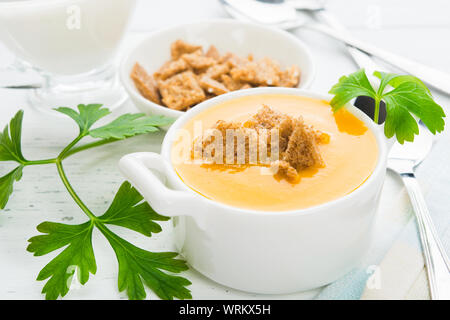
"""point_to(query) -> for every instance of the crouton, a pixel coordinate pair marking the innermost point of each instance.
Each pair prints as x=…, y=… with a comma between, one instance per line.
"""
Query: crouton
x=212, y=86
x=290, y=77
x=181, y=91
x=297, y=148
x=213, y=53
x=213, y=73
x=179, y=47
x=198, y=61
x=145, y=83
x=170, y=68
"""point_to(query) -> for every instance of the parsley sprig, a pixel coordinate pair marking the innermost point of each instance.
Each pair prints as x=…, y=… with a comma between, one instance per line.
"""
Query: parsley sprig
x=137, y=267
x=405, y=96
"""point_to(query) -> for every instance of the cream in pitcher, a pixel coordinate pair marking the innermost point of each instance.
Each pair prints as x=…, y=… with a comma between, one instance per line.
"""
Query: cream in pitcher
x=64, y=37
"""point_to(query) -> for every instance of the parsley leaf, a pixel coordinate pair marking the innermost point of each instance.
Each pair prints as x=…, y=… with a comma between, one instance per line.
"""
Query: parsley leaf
x=401, y=123
x=395, y=80
x=412, y=98
x=349, y=87
x=130, y=211
x=86, y=116
x=78, y=255
x=129, y=125
x=137, y=266
x=408, y=98
x=6, y=185
x=10, y=140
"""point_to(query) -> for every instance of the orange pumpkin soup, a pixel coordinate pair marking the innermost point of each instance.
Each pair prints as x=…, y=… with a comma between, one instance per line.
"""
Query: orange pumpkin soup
x=348, y=159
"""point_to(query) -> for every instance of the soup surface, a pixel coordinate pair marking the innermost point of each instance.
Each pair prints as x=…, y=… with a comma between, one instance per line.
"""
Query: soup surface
x=349, y=158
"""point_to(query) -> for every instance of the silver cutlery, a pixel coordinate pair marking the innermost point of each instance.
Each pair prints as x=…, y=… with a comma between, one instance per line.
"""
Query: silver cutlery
x=403, y=159
x=363, y=60
x=318, y=9
x=283, y=15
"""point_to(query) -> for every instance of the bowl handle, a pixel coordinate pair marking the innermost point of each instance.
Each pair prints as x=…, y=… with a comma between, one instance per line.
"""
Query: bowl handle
x=136, y=169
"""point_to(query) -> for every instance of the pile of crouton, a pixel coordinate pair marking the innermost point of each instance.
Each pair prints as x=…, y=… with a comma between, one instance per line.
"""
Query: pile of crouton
x=192, y=76
x=297, y=144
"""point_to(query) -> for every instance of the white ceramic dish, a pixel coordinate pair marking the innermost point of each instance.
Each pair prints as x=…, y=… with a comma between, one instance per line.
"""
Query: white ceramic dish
x=227, y=35
x=262, y=252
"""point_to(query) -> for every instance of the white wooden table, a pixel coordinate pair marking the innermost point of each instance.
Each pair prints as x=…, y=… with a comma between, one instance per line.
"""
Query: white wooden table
x=404, y=27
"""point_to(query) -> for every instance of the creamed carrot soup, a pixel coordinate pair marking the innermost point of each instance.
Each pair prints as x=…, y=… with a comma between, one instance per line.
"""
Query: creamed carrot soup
x=348, y=157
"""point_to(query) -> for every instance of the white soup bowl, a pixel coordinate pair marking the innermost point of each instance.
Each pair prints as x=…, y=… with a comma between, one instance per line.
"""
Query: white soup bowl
x=260, y=251
x=241, y=38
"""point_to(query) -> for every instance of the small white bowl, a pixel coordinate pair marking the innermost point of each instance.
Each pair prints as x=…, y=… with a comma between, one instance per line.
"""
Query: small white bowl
x=261, y=251
x=241, y=38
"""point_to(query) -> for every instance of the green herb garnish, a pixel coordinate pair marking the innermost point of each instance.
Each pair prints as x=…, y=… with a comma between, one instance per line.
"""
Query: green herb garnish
x=407, y=96
x=137, y=267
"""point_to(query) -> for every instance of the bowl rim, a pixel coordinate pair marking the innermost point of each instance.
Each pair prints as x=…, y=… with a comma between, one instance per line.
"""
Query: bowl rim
x=124, y=72
x=364, y=187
